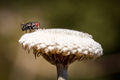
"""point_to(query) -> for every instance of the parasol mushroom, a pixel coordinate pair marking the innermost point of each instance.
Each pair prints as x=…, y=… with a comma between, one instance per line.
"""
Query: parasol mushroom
x=61, y=47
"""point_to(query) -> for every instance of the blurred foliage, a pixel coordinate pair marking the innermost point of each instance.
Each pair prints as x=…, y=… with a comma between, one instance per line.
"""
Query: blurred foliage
x=100, y=18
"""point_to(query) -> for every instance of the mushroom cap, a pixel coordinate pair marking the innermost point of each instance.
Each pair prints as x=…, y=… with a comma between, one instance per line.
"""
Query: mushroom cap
x=61, y=45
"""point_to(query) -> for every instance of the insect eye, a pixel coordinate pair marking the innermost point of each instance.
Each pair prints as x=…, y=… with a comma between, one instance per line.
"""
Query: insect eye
x=37, y=24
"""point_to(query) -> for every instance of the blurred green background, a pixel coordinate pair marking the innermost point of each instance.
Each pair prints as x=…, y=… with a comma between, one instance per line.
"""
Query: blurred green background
x=100, y=18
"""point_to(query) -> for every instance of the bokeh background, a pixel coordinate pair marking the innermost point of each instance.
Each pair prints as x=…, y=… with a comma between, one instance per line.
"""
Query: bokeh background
x=100, y=18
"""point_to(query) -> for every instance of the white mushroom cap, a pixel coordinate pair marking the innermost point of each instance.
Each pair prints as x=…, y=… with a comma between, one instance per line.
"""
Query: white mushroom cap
x=61, y=41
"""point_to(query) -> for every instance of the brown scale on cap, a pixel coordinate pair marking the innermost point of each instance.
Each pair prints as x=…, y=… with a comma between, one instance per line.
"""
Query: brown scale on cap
x=54, y=56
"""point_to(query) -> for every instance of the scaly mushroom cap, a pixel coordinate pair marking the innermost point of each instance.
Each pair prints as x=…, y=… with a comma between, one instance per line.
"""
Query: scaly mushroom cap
x=61, y=45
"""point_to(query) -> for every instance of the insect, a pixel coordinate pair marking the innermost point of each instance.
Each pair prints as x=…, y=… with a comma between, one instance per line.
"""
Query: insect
x=30, y=26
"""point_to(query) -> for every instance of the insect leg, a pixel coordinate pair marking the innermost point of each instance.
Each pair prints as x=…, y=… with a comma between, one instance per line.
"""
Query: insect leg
x=30, y=28
x=25, y=31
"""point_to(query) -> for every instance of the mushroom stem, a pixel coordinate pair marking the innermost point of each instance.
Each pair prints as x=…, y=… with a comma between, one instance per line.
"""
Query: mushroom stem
x=62, y=71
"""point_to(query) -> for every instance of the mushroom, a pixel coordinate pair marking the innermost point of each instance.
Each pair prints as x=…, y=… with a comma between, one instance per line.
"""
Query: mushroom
x=61, y=47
